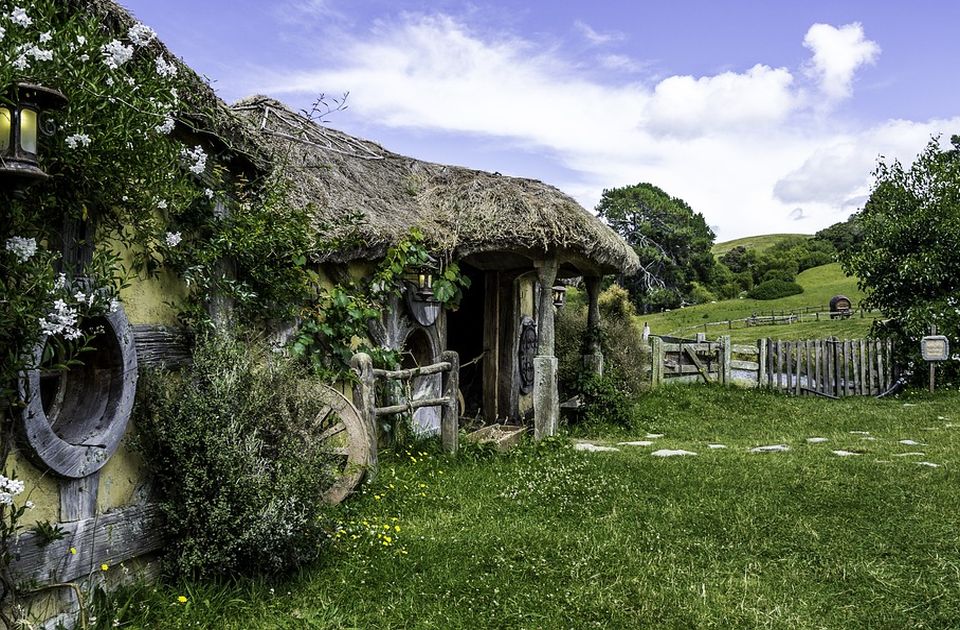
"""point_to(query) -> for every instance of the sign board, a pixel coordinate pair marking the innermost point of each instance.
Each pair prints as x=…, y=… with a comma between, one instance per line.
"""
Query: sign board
x=935, y=348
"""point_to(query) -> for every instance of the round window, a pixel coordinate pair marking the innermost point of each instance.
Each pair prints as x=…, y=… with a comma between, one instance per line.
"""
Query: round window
x=74, y=419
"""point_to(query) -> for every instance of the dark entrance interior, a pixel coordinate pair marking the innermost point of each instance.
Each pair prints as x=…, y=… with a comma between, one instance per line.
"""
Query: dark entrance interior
x=465, y=337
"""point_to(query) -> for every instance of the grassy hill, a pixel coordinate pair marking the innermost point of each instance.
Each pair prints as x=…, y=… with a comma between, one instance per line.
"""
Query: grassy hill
x=759, y=243
x=819, y=284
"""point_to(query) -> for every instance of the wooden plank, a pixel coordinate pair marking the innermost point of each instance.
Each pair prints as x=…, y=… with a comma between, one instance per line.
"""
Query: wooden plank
x=739, y=348
x=817, y=355
x=407, y=374
x=872, y=369
x=166, y=346
x=863, y=366
x=880, y=379
x=450, y=415
x=657, y=358
x=762, y=355
x=78, y=498
x=491, y=344
x=855, y=364
x=109, y=539
x=809, y=371
x=789, y=366
x=748, y=366
x=846, y=367
x=701, y=348
x=891, y=369
x=696, y=361
x=796, y=386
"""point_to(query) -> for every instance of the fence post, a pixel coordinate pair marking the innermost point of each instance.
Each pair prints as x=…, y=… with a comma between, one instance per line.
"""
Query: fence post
x=762, y=373
x=657, y=357
x=450, y=412
x=725, y=358
x=365, y=399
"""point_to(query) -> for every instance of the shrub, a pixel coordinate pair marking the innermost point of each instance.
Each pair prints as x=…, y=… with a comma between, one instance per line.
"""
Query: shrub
x=238, y=479
x=773, y=289
x=700, y=294
x=615, y=303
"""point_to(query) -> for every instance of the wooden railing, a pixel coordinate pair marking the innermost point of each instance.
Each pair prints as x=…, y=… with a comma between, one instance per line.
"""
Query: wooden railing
x=365, y=393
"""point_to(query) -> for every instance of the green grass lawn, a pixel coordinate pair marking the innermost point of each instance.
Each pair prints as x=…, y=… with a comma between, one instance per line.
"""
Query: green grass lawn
x=758, y=243
x=819, y=284
x=554, y=538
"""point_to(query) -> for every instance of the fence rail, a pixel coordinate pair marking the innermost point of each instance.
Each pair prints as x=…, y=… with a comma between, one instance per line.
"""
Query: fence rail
x=776, y=318
x=826, y=367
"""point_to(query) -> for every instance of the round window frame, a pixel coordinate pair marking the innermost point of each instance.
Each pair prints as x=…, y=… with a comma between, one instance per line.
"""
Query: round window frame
x=45, y=447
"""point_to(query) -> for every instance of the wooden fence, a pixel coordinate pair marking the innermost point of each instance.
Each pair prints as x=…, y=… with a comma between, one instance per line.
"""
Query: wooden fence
x=826, y=367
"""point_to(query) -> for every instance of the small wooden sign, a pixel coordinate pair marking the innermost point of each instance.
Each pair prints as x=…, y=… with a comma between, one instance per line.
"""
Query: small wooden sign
x=935, y=348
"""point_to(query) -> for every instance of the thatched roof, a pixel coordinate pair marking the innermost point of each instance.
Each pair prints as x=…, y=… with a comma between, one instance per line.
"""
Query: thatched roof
x=463, y=211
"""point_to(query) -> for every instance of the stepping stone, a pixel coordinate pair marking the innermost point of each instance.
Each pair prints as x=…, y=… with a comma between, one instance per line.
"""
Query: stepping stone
x=715, y=446
x=816, y=440
x=929, y=428
x=909, y=405
x=910, y=454
x=941, y=418
x=860, y=433
x=637, y=443
x=773, y=448
x=593, y=448
x=666, y=452
x=869, y=438
x=653, y=436
x=910, y=442
x=843, y=453
x=928, y=464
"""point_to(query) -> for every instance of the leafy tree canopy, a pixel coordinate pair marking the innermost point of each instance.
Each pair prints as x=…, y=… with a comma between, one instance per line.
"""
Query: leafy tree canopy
x=672, y=241
x=907, y=262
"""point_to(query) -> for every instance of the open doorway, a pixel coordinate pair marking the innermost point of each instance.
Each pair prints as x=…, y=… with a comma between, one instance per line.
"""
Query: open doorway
x=465, y=337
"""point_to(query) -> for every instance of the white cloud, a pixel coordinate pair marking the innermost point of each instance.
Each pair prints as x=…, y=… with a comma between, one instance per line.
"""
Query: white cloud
x=837, y=54
x=623, y=63
x=741, y=147
x=595, y=37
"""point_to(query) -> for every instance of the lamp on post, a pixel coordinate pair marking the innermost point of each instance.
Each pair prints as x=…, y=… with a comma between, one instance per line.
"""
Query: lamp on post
x=559, y=294
x=421, y=277
x=20, y=127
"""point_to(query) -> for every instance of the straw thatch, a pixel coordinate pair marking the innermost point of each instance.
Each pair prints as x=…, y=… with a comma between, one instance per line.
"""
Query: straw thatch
x=462, y=211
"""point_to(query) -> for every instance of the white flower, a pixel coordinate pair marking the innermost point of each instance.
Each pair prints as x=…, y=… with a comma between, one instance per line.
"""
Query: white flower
x=3, y=32
x=116, y=54
x=77, y=140
x=6, y=498
x=21, y=63
x=84, y=57
x=110, y=83
x=166, y=126
x=81, y=40
x=175, y=95
x=19, y=16
x=208, y=193
x=198, y=158
x=61, y=321
x=61, y=282
x=38, y=53
x=141, y=34
x=162, y=204
x=29, y=505
x=166, y=69
x=14, y=486
x=173, y=239
x=22, y=247
x=45, y=37
x=114, y=305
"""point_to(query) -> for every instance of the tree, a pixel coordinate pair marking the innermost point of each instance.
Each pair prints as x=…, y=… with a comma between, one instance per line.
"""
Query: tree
x=910, y=251
x=672, y=241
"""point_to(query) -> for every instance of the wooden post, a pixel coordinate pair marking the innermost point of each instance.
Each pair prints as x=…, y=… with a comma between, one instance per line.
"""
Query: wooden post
x=726, y=357
x=450, y=413
x=933, y=364
x=491, y=346
x=546, y=398
x=657, y=359
x=762, y=359
x=365, y=399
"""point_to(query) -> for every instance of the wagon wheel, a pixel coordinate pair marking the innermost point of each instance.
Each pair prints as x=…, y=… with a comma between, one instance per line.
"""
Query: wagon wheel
x=341, y=435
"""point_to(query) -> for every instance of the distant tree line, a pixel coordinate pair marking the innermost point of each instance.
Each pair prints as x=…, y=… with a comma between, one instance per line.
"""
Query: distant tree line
x=674, y=244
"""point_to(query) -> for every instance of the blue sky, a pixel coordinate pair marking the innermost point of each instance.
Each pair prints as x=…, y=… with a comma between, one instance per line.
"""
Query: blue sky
x=766, y=116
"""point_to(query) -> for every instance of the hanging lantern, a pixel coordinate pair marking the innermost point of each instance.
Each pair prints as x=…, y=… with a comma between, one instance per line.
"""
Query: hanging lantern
x=421, y=278
x=20, y=127
x=559, y=295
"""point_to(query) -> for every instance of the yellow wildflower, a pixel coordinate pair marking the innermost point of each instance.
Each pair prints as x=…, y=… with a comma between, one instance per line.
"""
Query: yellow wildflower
x=182, y=599
x=73, y=551
x=104, y=567
x=396, y=527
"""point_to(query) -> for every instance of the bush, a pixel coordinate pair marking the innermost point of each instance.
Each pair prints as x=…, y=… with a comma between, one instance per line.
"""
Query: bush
x=773, y=289
x=615, y=303
x=700, y=294
x=238, y=480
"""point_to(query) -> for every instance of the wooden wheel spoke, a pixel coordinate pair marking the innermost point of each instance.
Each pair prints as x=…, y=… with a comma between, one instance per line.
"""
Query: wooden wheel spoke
x=340, y=450
x=336, y=429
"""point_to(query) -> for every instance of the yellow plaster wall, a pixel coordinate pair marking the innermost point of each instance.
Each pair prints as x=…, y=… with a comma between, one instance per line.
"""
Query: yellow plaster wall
x=43, y=489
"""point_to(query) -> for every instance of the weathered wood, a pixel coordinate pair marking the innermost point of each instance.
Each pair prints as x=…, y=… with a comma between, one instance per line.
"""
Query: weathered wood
x=109, y=539
x=657, y=359
x=891, y=371
x=762, y=355
x=410, y=406
x=847, y=350
x=365, y=395
x=807, y=348
x=745, y=366
x=491, y=346
x=78, y=498
x=409, y=373
x=546, y=397
x=855, y=368
x=450, y=415
x=165, y=346
x=509, y=329
x=796, y=386
x=739, y=348
x=871, y=362
x=863, y=366
x=880, y=370
x=696, y=361
x=700, y=348
x=725, y=360
x=788, y=352
x=779, y=364
x=817, y=363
